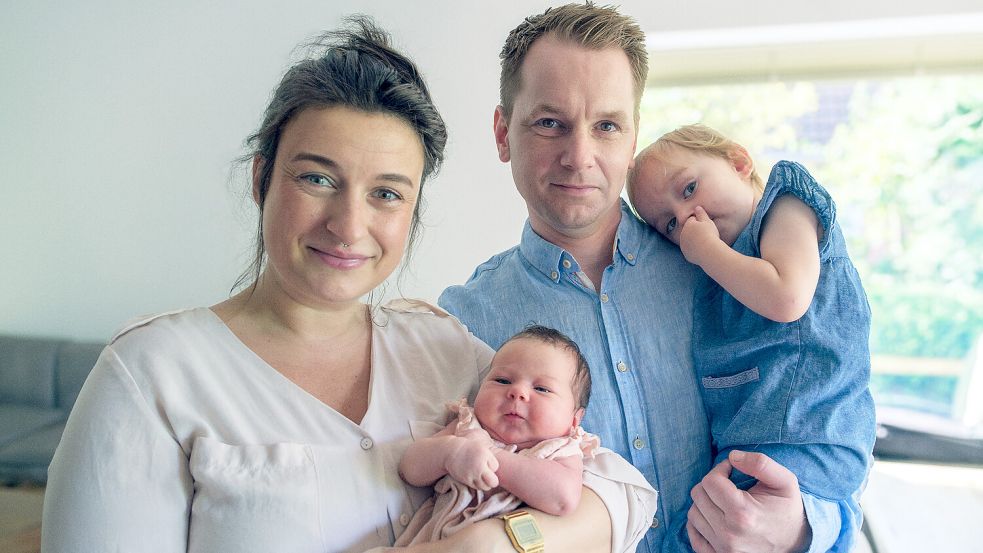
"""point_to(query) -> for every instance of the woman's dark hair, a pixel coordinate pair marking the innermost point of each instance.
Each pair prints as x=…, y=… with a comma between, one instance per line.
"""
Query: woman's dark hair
x=355, y=67
x=555, y=338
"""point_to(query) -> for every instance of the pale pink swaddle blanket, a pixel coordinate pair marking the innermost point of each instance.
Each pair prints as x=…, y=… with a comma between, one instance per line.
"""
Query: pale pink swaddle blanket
x=456, y=506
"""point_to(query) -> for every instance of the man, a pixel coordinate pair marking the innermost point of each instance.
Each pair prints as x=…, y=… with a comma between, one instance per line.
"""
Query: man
x=571, y=84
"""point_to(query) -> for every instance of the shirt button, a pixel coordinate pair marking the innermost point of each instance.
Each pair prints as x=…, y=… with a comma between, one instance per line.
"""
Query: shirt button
x=604, y=298
x=566, y=264
x=554, y=275
x=366, y=443
x=638, y=443
x=655, y=522
x=631, y=257
x=404, y=519
x=622, y=367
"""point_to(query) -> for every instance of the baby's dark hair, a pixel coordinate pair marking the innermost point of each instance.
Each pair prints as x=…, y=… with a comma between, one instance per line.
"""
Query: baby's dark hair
x=553, y=337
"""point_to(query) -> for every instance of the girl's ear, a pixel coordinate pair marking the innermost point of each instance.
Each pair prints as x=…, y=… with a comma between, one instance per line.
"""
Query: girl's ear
x=741, y=161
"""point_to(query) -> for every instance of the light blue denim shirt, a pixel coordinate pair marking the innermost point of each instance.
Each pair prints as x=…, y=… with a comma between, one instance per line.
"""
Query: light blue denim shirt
x=635, y=334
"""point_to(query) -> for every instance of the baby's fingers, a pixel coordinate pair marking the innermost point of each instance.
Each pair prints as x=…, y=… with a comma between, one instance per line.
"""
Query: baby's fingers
x=490, y=479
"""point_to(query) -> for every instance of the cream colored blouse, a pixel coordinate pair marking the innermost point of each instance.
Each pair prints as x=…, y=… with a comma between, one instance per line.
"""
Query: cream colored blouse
x=183, y=440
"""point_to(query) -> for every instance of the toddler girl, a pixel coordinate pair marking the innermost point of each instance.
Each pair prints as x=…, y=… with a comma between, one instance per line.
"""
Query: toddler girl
x=780, y=327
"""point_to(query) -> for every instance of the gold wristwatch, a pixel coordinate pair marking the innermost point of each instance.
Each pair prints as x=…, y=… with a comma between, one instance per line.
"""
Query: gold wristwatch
x=524, y=532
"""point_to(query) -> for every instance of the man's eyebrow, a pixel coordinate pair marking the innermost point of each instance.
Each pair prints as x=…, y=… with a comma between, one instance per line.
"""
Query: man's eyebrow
x=328, y=162
x=617, y=115
x=554, y=110
x=548, y=108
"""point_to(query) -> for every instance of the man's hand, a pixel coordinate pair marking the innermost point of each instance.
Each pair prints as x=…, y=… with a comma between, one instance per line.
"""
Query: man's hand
x=767, y=518
x=471, y=462
x=698, y=235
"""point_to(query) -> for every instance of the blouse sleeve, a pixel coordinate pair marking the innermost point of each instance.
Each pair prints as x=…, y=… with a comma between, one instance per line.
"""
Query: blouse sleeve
x=119, y=481
x=630, y=499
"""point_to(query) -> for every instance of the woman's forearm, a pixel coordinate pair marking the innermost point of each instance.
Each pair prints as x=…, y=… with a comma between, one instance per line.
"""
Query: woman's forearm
x=586, y=530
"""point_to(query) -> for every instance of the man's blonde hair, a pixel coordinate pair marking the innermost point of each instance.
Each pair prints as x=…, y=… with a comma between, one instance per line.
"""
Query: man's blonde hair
x=593, y=27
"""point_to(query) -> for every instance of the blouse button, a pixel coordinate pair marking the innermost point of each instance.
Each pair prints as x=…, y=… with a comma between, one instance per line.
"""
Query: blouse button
x=622, y=367
x=404, y=519
x=631, y=257
x=604, y=298
x=638, y=443
x=566, y=264
x=554, y=275
x=655, y=522
x=366, y=443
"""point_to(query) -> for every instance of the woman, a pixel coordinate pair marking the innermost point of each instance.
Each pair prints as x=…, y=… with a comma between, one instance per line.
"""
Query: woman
x=275, y=420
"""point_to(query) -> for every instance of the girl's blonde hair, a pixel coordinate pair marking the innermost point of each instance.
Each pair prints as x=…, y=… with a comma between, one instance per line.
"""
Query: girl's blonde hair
x=705, y=140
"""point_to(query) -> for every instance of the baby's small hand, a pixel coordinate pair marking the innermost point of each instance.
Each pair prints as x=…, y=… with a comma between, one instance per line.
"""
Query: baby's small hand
x=697, y=234
x=473, y=464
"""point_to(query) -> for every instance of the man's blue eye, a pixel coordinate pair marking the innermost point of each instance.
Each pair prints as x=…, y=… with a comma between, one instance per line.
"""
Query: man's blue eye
x=690, y=188
x=608, y=126
x=671, y=226
x=549, y=123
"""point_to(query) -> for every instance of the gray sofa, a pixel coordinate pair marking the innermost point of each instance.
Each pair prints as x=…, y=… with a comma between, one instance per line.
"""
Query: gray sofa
x=39, y=381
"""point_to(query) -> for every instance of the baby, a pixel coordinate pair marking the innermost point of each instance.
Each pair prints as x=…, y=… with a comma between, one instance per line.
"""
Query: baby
x=521, y=444
x=780, y=333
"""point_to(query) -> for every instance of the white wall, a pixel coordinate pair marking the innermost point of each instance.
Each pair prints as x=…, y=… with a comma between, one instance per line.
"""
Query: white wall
x=119, y=122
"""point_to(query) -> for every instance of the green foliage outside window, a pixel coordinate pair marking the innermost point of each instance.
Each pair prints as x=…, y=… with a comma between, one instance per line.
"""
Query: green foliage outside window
x=903, y=159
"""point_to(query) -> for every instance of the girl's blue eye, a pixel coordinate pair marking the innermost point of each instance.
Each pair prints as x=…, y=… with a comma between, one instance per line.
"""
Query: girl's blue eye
x=501, y=380
x=670, y=226
x=543, y=389
x=690, y=188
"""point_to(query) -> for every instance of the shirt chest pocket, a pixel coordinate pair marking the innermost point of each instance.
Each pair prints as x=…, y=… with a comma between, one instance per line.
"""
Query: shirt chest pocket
x=254, y=498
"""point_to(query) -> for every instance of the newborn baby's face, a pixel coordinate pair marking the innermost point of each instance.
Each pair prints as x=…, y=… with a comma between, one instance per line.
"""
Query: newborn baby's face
x=528, y=395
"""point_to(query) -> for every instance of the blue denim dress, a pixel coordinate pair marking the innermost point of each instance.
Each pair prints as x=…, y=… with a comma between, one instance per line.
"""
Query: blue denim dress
x=797, y=391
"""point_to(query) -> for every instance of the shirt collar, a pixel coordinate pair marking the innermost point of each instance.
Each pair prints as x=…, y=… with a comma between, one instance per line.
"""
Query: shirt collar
x=629, y=238
x=549, y=259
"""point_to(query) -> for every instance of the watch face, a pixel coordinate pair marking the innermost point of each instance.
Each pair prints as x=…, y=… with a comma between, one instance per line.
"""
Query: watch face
x=526, y=531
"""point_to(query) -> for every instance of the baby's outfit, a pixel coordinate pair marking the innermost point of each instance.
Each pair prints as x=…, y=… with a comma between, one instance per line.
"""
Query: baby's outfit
x=797, y=391
x=456, y=506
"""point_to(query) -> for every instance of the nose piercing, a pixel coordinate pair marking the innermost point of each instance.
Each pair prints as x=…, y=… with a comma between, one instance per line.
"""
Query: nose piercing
x=345, y=246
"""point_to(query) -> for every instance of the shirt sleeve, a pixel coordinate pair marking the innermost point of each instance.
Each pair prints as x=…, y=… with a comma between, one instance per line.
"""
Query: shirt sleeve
x=119, y=481
x=834, y=524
